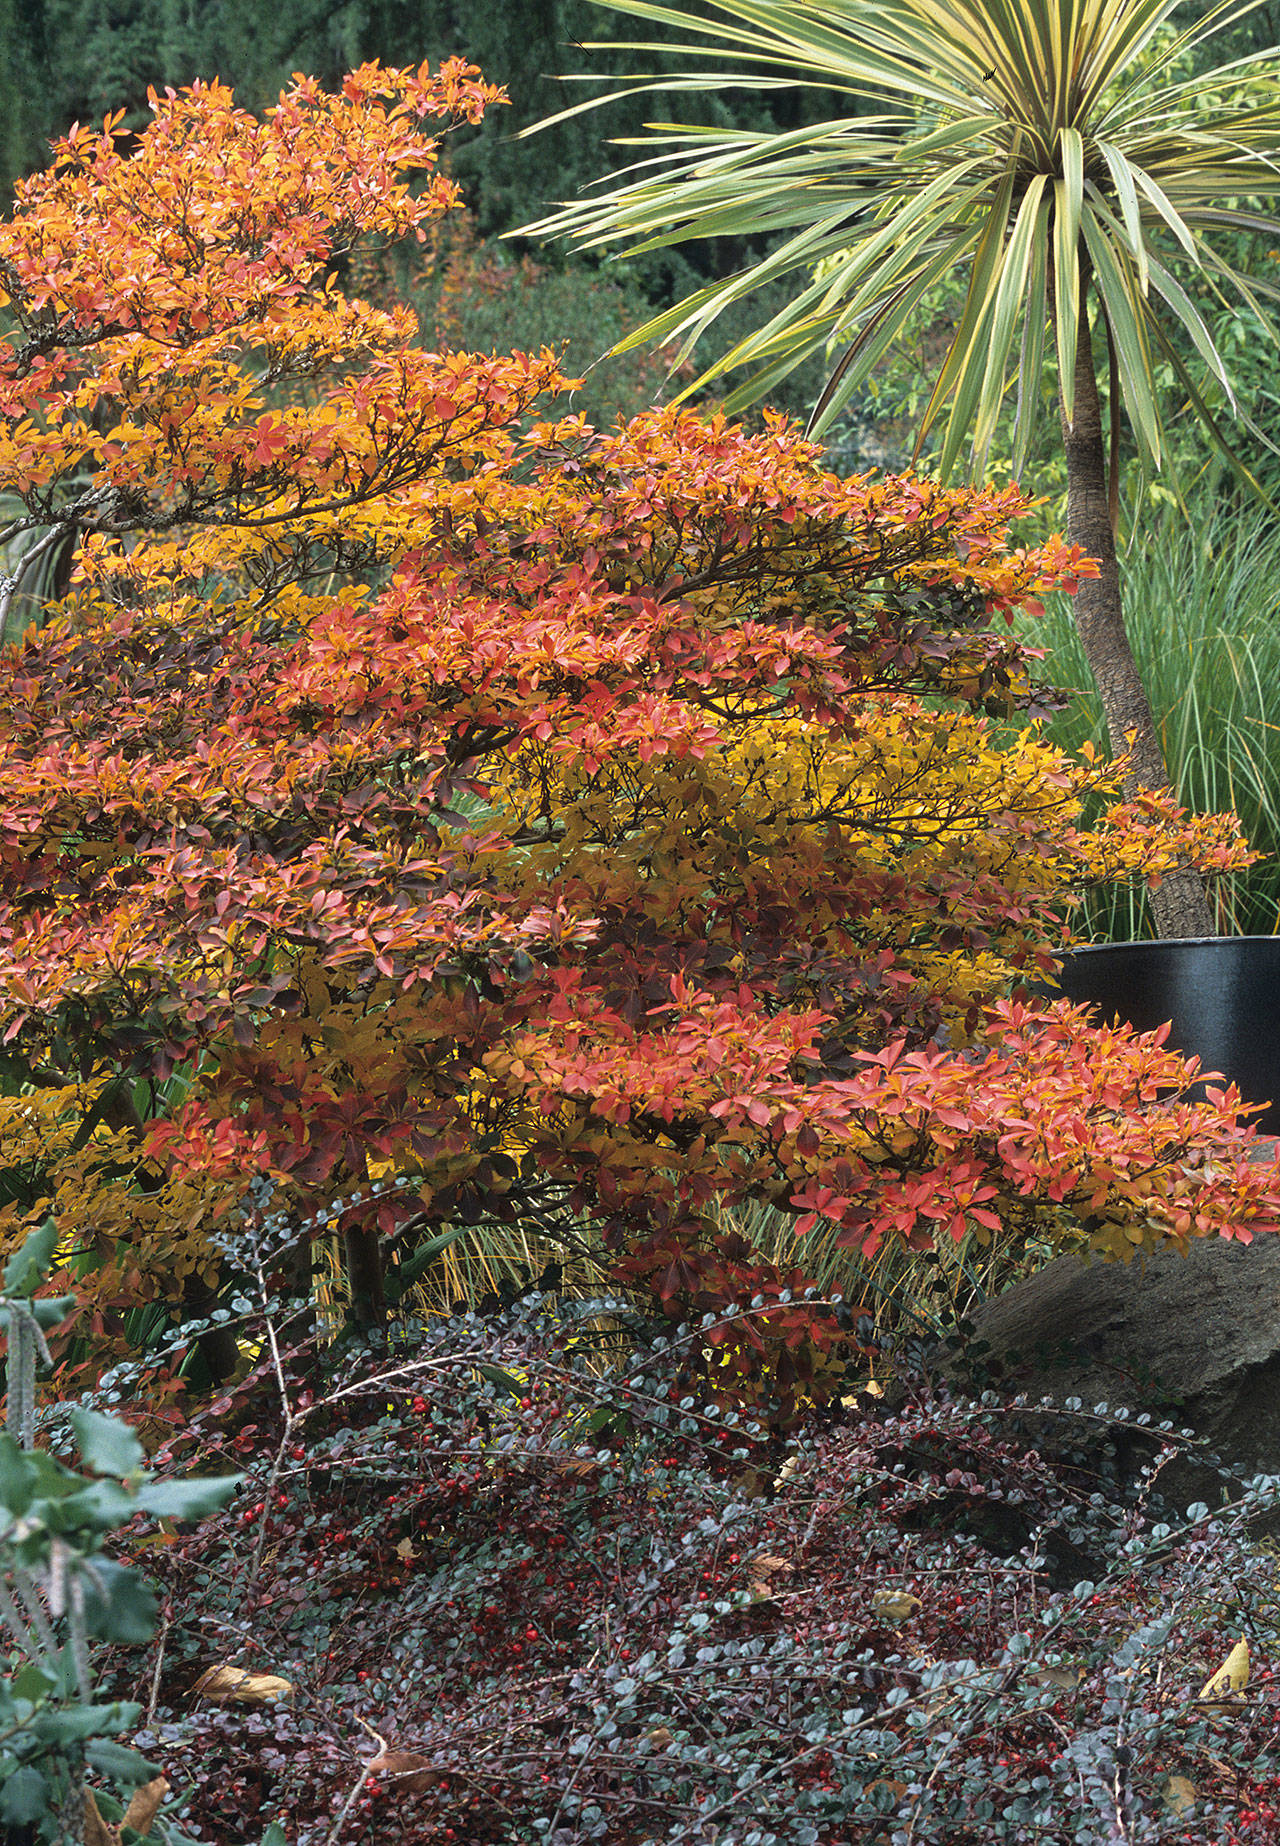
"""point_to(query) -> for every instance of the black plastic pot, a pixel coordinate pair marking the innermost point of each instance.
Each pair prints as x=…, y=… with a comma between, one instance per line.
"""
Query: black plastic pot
x=1220, y=993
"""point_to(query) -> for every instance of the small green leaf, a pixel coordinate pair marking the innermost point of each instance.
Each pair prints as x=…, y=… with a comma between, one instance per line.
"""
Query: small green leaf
x=400, y=1278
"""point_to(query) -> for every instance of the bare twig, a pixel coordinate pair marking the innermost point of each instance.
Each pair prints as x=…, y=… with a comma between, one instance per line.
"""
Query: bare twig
x=153, y=1695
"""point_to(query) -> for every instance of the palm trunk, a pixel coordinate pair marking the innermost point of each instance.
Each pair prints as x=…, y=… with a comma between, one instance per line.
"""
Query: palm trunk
x=1179, y=905
x=365, y=1278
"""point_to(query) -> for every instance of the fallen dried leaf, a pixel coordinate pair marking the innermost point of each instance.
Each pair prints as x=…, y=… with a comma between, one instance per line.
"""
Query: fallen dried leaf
x=1178, y=1794
x=224, y=1685
x=895, y=1605
x=766, y=1565
x=97, y=1832
x=760, y=1574
x=144, y=1805
x=896, y=1789
x=411, y=1773
x=577, y=1466
x=1232, y=1676
x=1066, y=1679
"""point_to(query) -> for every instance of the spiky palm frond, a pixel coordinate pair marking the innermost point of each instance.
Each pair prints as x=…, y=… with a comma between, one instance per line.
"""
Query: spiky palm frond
x=1031, y=144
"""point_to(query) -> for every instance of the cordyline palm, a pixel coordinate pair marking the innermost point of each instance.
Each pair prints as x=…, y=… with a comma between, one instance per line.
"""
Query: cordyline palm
x=1056, y=154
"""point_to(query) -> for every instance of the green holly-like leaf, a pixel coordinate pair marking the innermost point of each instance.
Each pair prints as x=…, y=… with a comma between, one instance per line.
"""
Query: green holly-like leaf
x=24, y=1796
x=28, y=1266
x=72, y=1724
x=107, y=1444
x=121, y=1764
x=120, y=1606
x=51, y=1309
x=185, y=1499
x=93, y=1507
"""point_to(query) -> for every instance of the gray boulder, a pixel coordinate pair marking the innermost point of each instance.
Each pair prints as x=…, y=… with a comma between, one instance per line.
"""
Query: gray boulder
x=1192, y=1339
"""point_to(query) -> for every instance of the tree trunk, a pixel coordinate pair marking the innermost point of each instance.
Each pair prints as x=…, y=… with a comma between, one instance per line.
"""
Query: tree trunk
x=1179, y=905
x=368, y=1309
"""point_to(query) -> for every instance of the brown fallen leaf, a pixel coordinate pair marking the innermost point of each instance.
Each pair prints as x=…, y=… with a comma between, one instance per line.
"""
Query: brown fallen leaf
x=97, y=1831
x=144, y=1804
x=411, y=1773
x=760, y=1574
x=766, y=1565
x=577, y=1467
x=140, y=1813
x=406, y=1550
x=1064, y=1679
x=224, y=1685
x=896, y=1789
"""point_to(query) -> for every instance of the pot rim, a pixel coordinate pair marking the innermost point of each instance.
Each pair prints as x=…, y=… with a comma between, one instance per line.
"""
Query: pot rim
x=1162, y=942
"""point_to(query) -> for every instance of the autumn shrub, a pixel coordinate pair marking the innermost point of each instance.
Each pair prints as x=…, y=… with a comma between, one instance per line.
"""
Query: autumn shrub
x=491, y=1583
x=485, y=820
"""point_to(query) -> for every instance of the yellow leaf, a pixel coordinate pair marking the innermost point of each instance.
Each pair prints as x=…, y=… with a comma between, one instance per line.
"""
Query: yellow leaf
x=1231, y=1676
x=789, y=1467
x=224, y=1685
x=1178, y=1794
x=895, y=1605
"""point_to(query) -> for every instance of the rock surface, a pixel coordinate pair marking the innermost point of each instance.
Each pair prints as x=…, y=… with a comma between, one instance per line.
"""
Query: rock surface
x=1194, y=1339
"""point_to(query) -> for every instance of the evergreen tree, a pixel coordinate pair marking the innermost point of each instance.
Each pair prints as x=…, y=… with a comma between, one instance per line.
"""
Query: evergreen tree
x=78, y=60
